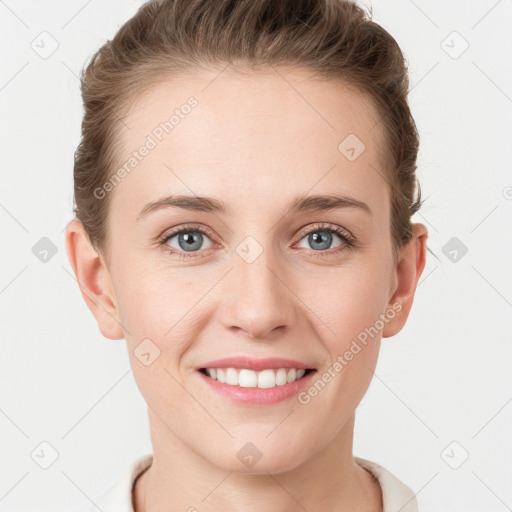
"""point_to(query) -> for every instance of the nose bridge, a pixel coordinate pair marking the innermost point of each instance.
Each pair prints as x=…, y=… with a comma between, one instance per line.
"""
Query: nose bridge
x=256, y=298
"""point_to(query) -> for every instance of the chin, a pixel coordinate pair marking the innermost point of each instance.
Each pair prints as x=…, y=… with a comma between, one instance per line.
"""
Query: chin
x=251, y=460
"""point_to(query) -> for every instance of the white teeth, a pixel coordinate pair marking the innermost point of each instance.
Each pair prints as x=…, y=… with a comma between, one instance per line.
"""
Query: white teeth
x=251, y=379
x=231, y=377
x=281, y=376
x=266, y=379
x=247, y=378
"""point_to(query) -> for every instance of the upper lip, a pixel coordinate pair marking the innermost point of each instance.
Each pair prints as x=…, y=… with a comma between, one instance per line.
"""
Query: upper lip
x=254, y=364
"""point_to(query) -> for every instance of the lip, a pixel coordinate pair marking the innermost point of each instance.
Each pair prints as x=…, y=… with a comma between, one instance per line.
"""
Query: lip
x=257, y=396
x=240, y=362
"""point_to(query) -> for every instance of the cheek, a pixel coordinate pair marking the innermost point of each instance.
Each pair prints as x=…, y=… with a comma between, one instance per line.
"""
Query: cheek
x=350, y=305
x=152, y=301
x=158, y=311
x=164, y=311
x=349, y=301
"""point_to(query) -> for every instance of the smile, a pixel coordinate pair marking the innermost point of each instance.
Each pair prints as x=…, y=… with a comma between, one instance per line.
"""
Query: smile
x=246, y=378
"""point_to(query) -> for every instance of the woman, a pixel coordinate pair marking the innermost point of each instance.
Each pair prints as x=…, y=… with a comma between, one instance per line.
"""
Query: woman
x=244, y=189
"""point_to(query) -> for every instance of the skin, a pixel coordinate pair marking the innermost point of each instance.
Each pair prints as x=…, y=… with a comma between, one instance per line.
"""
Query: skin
x=256, y=141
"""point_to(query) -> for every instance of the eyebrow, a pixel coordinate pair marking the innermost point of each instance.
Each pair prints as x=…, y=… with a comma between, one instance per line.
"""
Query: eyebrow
x=209, y=204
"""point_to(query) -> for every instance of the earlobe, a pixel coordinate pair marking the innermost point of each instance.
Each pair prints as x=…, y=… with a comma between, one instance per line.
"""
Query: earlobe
x=92, y=276
x=408, y=271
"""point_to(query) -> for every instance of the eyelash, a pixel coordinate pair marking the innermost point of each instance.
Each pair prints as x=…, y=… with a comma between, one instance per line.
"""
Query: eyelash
x=349, y=241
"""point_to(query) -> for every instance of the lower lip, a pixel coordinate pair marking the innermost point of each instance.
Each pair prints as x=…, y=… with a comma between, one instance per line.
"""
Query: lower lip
x=258, y=396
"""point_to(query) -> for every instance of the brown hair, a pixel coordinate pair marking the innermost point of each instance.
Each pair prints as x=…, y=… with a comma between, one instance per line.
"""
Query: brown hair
x=334, y=38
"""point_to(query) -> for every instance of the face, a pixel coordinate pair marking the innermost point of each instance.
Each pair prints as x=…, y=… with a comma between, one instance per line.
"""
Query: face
x=259, y=278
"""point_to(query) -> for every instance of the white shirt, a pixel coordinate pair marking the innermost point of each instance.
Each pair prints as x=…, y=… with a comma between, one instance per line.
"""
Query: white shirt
x=396, y=496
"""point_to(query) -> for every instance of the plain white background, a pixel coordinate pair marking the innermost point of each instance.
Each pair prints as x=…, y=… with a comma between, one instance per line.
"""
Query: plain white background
x=438, y=413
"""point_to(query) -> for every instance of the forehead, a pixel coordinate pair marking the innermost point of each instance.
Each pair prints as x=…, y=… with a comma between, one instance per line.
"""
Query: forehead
x=261, y=134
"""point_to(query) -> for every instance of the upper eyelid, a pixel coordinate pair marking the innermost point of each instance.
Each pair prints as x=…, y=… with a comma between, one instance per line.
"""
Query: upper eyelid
x=185, y=228
x=319, y=226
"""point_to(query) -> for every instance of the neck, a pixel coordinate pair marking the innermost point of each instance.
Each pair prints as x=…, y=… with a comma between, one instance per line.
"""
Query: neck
x=179, y=479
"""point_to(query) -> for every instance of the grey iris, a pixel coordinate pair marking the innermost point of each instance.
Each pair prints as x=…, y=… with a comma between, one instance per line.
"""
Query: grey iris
x=325, y=238
x=190, y=241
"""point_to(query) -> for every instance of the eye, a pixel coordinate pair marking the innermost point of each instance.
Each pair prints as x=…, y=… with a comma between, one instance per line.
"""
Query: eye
x=185, y=240
x=320, y=238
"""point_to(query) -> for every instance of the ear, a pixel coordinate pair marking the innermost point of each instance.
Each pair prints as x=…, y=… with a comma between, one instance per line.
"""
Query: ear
x=408, y=269
x=94, y=280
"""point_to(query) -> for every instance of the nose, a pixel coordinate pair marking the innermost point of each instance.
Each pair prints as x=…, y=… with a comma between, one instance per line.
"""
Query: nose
x=257, y=298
